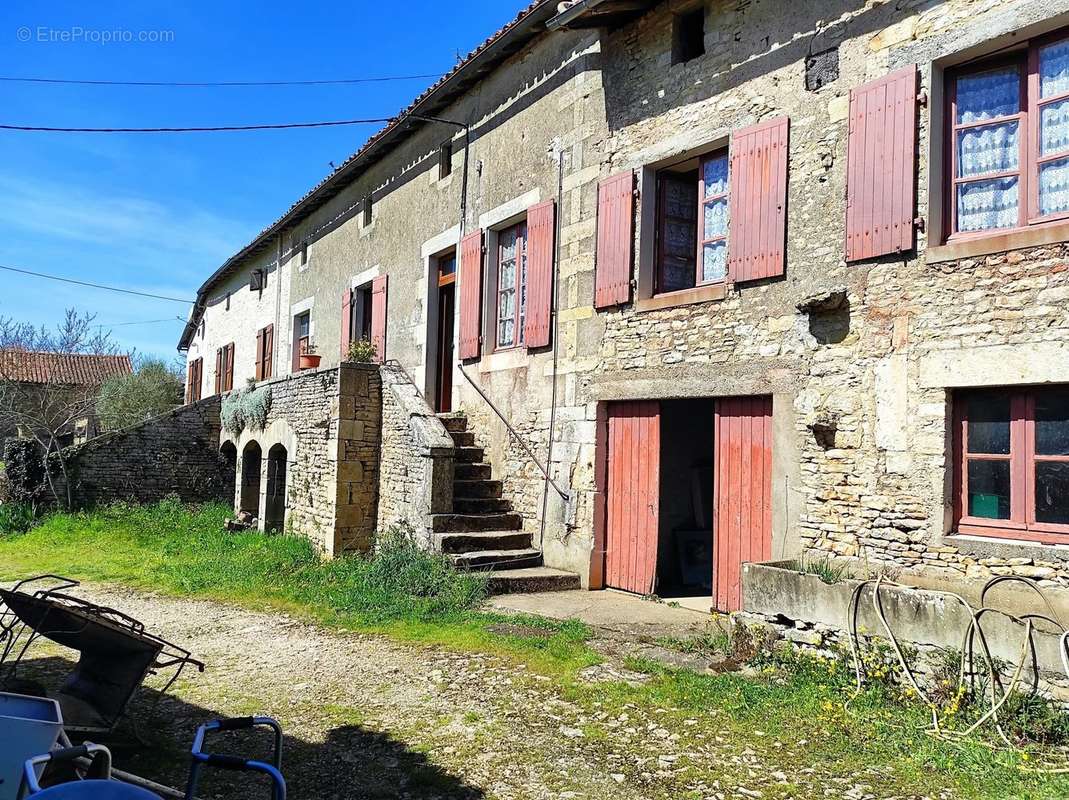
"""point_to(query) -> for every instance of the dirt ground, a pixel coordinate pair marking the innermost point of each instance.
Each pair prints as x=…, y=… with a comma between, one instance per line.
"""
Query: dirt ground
x=366, y=717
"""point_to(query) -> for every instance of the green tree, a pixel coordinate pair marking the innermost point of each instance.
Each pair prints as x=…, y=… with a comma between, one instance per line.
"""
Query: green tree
x=153, y=389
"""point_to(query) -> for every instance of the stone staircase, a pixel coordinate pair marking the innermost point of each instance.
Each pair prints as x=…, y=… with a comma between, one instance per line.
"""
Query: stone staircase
x=483, y=532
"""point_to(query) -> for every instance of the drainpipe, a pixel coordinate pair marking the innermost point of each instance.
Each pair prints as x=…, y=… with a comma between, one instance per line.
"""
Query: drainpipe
x=556, y=340
x=275, y=349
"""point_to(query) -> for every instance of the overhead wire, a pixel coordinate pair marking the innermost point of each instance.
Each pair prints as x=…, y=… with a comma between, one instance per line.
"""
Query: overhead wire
x=91, y=285
x=217, y=84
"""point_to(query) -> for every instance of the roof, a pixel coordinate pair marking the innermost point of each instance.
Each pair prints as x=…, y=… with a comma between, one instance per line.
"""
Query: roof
x=528, y=24
x=578, y=14
x=66, y=369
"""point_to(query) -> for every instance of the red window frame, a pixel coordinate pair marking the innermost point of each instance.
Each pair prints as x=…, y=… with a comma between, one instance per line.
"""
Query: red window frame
x=1022, y=458
x=519, y=288
x=699, y=235
x=1029, y=160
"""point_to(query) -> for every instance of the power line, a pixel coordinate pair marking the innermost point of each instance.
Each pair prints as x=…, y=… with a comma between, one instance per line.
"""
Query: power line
x=200, y=129
x=145, y=322
x=93, y=285
x=225, y=84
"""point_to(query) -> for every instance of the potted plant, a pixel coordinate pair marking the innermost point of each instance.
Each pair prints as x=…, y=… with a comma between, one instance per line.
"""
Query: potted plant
x=309, y=358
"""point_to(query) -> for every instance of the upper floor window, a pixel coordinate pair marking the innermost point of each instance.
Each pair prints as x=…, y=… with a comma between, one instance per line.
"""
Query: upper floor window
x=445, y=159
x=196, y=379
x=511, y=285
x=1012, y=466
x=303, y=330
x=688, y=35
x=692, y=223
x=1009, y=152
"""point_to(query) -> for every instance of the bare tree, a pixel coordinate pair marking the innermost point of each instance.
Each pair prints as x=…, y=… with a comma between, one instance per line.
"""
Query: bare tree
x=45, y=410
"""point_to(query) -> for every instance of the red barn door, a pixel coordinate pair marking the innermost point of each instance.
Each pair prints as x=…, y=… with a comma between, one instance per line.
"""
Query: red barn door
x=742, y=493
x=634, y=450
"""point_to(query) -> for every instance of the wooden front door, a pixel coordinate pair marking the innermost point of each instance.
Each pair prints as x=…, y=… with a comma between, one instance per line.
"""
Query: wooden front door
x=742, y=493
x=632, y=509
x=444, y=357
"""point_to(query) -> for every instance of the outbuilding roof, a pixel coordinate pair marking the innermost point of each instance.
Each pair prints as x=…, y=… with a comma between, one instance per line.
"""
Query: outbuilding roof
x=66, y=369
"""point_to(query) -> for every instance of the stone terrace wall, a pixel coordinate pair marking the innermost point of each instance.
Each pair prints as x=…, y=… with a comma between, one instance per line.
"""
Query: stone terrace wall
x=173, y=454
x=417, y=459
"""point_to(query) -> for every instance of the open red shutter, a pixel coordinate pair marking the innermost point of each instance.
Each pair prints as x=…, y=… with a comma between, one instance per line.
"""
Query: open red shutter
x=616, y=219
x=269, y=352
x=219, y=371
x=758, y=203
x=541, y=227
x=259, y=355
x=378, y=317
x=346, y=321
x=471, y=281
x=880, y=166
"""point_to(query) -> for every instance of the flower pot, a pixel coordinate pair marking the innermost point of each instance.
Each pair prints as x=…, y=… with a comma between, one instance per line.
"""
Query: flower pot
x=310, y=360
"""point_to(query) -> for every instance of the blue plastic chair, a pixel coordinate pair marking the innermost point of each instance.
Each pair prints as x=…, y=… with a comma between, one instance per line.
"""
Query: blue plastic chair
x=92, y=789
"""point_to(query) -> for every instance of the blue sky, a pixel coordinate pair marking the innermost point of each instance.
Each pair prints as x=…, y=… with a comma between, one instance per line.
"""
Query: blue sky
x=158, y=213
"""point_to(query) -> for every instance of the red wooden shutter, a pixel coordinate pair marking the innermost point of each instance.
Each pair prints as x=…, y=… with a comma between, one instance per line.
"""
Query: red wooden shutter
x=219, y=371
x=880, y=166
x=229, y=366
x=471, y=279
x=378, y=317
x=758, y=202
x=346, y=321
x=742, y=493
x=632, y=497
x=541, y=230
x=259, y=355
x=616, y=219
x=269, y=351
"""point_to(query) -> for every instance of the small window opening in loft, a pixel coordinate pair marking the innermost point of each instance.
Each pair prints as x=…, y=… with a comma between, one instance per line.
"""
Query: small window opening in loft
x=688, y=35
x=367, y=210
x=304, y=254
x=445, y=160
x=228, y=301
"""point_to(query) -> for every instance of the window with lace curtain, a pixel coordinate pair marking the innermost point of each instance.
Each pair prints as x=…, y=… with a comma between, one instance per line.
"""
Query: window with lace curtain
x=1009, y=152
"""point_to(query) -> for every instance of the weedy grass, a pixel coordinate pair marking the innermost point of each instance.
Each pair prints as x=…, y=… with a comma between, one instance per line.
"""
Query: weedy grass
x=792, y=710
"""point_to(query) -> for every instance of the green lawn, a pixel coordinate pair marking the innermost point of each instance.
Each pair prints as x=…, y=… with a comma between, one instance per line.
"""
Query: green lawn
x=419, y=598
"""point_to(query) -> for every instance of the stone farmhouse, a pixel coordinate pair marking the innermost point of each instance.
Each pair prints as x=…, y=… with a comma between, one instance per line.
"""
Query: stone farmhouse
x=656, y=288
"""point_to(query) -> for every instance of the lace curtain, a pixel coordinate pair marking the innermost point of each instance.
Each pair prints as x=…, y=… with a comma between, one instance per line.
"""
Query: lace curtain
x=1054, y=128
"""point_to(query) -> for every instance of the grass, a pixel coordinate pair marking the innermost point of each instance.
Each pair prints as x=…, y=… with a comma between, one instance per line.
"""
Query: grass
x=792, y=712
x=824, y=567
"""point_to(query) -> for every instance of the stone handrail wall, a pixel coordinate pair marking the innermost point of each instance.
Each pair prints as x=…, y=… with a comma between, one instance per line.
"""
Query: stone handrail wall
x=416, y=473
x=174, y=454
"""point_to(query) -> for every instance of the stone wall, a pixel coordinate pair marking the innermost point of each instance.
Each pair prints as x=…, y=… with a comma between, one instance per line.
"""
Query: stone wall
x=416, y=472
x=173, y=454
x=329, y=422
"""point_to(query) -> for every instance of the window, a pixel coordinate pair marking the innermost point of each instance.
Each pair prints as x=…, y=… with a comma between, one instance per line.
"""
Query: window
x=1008, y=121
x=445, y=159
x=688, y=35
x=304, y=254
x=1012, y=464
x=265, y=352
x=367, y=210
x=196, y=377
x=224, y=368
x=692, y=225
x=303, y=328
x=360, y=314
x=511, y=285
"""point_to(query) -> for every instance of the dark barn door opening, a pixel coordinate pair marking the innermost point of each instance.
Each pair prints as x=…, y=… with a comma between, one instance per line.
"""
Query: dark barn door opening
x=444, y=355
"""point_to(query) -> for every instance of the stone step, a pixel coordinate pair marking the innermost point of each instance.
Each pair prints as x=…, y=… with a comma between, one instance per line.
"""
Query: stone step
x=505, y=559
x=468, y=455
x=465, y=523
x=477, y=488
x=532, y=579
x=471, y=472
x=480, y=505
x=463, y=438
x=454, y=422
x=483, y=540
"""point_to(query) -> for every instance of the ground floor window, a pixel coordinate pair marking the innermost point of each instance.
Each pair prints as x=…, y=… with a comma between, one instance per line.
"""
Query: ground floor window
x=511, y=285
x=1012, y=462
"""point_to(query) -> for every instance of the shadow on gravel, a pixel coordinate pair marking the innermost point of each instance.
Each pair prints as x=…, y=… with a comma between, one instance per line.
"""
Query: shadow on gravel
x=353, y=763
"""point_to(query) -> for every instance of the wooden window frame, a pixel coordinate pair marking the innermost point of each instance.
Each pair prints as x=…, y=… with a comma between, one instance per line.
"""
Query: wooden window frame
x=303, y=341
x=702, y=201
x=519, y=288
x=196, y=379
x=1022, y=458
x=1029, y=161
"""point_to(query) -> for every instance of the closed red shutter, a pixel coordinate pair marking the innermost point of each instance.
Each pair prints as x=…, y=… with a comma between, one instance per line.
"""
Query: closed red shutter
x=616, y=219
x=219, y=371
x=378, y=317
x=229, y=355
x=758, y=202
x=471, y=281
x=880, y=166
x=259, y=355
x=346, y=321
x=269, y=351
x=541, y=230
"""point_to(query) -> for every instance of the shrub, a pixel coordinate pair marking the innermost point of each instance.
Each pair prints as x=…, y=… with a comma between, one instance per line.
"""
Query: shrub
x=246, y=408
x=25, y=468
x=129, y=399
x=362, y=351
x=16, y=518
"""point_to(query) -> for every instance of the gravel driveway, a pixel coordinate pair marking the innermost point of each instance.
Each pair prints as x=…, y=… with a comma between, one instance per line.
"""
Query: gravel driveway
x=369, y=718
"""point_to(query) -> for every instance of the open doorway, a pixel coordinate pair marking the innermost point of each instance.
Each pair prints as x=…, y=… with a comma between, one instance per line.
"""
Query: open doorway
x=251, y=458
x=275, y=505
x=685, y=527
x=445, y=275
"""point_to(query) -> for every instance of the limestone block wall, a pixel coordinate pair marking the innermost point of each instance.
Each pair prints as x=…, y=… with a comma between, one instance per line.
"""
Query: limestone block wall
x=174, y=454
x=329, y=422
x=416, y=472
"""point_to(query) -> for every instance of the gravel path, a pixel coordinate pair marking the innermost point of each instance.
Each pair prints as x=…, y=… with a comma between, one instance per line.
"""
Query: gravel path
x=369, y=718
